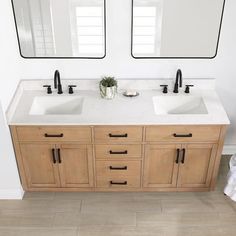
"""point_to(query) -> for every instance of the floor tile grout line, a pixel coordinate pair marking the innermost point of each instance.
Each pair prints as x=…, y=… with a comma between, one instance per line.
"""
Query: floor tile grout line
x=81, y=202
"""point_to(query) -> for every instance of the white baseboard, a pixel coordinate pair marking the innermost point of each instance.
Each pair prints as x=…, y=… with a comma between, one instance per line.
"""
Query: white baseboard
x=11, y=194
x=229, y=149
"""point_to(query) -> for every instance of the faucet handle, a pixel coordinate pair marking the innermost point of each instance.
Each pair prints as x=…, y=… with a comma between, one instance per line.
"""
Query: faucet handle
x=49, y=89
x=71, y=91
x=165, y=88
x=187, y=88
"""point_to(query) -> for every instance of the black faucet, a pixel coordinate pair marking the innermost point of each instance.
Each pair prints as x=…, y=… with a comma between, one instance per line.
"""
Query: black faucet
x=178, y=81
x=57, y=82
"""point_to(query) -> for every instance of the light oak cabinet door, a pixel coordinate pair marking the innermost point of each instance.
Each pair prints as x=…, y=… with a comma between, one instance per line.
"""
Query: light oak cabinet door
x=39, y=162
x=161, y=165
x=75, y=165
x=196, y=165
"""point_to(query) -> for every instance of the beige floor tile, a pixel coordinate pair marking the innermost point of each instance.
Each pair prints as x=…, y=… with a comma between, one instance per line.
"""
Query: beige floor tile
x=196, y=205
x=91, y=219
x=16, y=219
x=38, y=232
x=40, y=206
x=228, y=230
x=119, y=231
x=22, y=204
x=39, y=195
x=227, y=219
x=177, y=219
x=66, y=219
x=93, y=195
x=63, y=205
x=121, y=205
x=191, y=231
x=122, y=219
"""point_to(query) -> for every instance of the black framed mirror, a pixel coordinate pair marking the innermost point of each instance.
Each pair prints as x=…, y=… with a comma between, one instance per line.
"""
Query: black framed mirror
x=61, y=28
x=176, y=29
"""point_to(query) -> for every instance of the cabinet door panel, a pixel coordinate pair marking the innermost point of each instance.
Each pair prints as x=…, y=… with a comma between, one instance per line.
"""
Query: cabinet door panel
x=76, y=167
x=198, y=165
x=160, y=168
x=39, y=167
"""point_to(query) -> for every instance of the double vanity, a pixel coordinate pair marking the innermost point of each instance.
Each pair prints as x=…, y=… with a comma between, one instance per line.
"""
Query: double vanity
x=154, y=142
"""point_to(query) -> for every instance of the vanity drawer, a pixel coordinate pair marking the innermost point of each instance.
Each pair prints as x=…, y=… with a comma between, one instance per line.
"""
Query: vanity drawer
x=118, y=168
x=53, y=133
x=118, y=151
x=118, y=134
x=118, y=182
x=186, y=133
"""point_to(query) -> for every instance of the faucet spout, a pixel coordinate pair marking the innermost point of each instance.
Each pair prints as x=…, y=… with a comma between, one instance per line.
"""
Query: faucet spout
x=178, y=81
x=57, y=82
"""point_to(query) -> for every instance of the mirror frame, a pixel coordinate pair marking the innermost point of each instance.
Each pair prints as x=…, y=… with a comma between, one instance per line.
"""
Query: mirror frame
x=217, y=45
x=105, y=39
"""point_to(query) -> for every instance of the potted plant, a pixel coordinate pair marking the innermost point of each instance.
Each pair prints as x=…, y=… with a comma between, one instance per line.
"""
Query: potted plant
x=108, y=87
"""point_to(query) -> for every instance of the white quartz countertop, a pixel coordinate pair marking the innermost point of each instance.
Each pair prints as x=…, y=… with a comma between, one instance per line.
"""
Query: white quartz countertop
x=119, y=111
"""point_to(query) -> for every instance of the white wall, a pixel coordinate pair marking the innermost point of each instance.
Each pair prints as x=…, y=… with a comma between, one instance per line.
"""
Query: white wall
x=118, y=62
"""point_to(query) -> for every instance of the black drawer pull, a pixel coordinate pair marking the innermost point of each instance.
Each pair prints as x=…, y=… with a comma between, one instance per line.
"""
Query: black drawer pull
x=177, y=158
x=183, y=135
x=118, y=168
x=117, y=153
x=118, y=135
x=183, y=158
x=53, y=135
x=54, y=156
x=118, y=183
x=59, y=155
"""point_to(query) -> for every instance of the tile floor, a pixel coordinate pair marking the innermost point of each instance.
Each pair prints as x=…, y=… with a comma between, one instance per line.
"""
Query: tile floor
x=121, y=214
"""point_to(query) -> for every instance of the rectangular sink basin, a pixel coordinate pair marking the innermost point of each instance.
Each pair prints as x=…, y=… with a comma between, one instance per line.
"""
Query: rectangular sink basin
x=179, y=104
x=57, y=105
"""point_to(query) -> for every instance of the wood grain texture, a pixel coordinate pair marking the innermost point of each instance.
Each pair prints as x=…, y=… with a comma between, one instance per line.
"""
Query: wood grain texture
x=133, y=133
x=200, y=133
x=37, y=133
x=131, y=182
x=196, y=171
x=109, y=151
x=160, y=168
x=218, y=157
x=114, y=168
x=19, y=160
x=76, y=167
x=150, y=158
x=38, y=165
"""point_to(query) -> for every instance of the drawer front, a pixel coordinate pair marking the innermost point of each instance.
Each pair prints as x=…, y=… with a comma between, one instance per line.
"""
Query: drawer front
x=118, y=134
x=183, y=133
x=118, y=168
x=119, y=182
x=118, y=151
x=53, y=133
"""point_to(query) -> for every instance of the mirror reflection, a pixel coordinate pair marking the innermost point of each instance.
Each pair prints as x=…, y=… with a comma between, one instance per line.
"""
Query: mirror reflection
x=176, y=28
x=60, y=28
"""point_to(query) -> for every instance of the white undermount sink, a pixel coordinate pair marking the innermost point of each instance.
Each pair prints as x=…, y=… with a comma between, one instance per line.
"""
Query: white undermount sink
x=179, y=104
x=57, y=105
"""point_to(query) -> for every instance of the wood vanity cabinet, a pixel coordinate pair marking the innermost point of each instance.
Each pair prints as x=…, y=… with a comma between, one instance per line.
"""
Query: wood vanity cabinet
x=176, y=165
x=118, y=154
x=54, y=158
x=37, y=161
x=118, y=158
x=182, y=158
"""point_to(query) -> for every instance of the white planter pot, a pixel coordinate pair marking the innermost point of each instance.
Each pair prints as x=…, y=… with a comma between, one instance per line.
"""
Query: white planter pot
x=108, y=92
